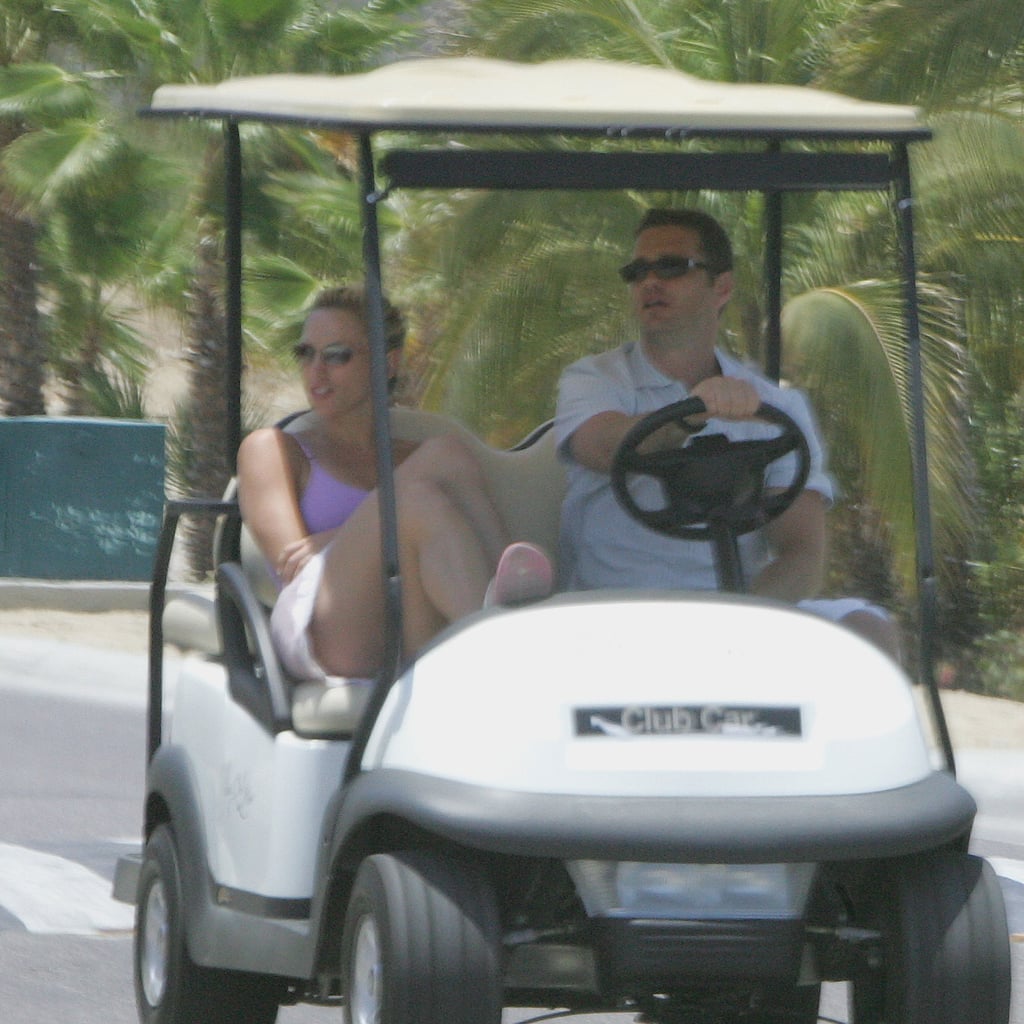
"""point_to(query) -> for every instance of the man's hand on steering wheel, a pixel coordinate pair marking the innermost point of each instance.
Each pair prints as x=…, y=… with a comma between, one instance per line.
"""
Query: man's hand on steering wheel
x=727, y=398
x=714, y=482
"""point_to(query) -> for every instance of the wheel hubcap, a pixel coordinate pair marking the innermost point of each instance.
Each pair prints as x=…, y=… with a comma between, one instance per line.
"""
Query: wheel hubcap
x=155, y=942
x=367, y=993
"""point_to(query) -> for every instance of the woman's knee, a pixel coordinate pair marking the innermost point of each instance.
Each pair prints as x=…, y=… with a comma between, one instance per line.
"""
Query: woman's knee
x=422, y=503
x=444, y=459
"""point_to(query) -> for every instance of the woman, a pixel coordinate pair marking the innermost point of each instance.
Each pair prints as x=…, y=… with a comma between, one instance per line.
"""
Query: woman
x=310, y=501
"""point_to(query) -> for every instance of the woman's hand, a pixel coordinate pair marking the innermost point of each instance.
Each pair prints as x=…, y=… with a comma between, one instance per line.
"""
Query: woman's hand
x=294, y=556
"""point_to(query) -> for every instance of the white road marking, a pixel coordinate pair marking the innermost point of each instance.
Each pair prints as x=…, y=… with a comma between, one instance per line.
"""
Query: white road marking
x=54, y=896
x=1004, y=867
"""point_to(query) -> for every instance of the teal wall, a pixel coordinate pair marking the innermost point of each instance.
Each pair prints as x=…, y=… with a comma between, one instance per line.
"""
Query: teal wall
x=80, y=499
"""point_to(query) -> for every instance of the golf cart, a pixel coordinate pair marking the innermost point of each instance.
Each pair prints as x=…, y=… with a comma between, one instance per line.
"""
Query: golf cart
x=551, y=806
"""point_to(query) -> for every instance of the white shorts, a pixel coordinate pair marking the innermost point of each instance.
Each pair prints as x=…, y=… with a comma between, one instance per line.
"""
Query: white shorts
x=837, y=608
x=290, y=619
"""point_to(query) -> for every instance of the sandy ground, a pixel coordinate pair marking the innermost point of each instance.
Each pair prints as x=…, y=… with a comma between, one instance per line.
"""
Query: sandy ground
x=270, y=391
x=974, y=721
x=120, y=630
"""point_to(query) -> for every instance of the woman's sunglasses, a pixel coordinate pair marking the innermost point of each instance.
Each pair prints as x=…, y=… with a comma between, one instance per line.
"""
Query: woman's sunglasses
x=664, y=268
x=331, y=355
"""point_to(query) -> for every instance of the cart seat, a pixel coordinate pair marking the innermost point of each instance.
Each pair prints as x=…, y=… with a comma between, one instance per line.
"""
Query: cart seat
x=528, y=483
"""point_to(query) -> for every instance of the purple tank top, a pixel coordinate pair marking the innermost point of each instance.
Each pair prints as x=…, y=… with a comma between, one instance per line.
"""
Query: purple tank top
x=326, y=502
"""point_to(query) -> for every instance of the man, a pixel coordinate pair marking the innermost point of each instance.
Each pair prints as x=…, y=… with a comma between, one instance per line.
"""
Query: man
x=680, y=279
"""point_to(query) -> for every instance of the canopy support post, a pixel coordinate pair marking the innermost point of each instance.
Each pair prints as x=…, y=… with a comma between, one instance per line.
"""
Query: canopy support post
x=380, y=391
x=233, y=291
x=927, y=595
x=773, y=279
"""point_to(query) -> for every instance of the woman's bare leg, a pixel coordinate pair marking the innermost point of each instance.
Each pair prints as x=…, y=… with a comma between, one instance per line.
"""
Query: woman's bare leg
x=449, y=539
x=451, y=465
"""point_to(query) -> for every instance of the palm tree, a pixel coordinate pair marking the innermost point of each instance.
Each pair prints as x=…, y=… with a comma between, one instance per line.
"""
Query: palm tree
x=21, y=350
x=941, y=55
x=98, y=198
x=31, y=98
x=23, y=36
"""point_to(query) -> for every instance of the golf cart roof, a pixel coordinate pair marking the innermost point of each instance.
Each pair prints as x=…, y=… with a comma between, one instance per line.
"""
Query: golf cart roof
x=564, y=96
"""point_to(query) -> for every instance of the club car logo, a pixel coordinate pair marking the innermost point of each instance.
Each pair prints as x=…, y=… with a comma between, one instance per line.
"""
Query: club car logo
x=679, y=720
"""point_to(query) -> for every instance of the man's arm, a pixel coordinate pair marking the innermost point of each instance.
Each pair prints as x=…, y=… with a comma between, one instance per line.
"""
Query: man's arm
x=797, y=541
x=595, y=442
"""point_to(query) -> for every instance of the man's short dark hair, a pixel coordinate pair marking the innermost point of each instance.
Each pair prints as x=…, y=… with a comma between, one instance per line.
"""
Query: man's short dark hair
x=714, y=242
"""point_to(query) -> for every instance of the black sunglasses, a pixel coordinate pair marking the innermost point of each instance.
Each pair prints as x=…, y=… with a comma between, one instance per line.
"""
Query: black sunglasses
x=332, y=355
x=664, y=268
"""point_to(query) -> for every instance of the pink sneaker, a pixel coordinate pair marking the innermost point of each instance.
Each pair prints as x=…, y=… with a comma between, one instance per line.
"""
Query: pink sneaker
x=524, y=574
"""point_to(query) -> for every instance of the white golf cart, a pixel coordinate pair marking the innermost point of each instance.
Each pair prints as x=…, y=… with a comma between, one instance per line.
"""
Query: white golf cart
x=552, y=806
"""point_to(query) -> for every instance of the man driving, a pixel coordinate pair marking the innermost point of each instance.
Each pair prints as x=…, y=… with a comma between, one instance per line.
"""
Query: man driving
x=680, y=278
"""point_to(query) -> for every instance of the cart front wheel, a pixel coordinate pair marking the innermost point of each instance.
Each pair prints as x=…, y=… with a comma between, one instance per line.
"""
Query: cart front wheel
x=946, y=948
x=421, y=943
x=169, y=987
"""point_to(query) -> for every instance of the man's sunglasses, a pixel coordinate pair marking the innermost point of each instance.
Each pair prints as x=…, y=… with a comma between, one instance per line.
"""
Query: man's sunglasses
x=332, y=355
x=664, y=268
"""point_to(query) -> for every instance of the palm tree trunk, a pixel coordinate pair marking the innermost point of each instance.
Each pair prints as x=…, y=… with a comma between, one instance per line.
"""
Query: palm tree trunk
x=22, y=358
x=78, y=371
x=207, y=470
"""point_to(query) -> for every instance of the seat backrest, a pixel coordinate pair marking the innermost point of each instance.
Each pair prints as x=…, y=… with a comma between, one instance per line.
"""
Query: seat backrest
x=528, y=483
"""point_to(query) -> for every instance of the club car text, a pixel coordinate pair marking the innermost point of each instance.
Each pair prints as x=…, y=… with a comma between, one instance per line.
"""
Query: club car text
x=683, y=720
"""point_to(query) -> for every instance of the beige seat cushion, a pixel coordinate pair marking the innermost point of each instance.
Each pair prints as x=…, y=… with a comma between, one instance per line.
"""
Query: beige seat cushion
x=330, y=708
x=190, y=620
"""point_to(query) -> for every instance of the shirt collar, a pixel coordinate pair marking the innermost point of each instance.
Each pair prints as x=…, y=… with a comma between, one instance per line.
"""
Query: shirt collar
x=647, y=375
x=644, y=372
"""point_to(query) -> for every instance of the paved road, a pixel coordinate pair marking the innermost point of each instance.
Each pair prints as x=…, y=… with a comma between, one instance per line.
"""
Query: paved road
x=71, y=752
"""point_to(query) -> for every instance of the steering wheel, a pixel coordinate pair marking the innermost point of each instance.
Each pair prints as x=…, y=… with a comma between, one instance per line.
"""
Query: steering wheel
x=712, y=483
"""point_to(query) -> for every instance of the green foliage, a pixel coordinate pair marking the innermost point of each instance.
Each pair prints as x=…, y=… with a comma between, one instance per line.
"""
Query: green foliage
x=44, y=94
x=834, y=346
x=933, y=52
x=999, y=664
x=726, y=40
x=112, y=396
x=999, y=541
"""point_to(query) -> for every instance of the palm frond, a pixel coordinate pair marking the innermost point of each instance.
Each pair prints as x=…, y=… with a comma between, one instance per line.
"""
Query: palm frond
x=277, y=294
x=928, y=51
x=846, y=346
x=113, y=396
x=44, y=165
x=44, y=94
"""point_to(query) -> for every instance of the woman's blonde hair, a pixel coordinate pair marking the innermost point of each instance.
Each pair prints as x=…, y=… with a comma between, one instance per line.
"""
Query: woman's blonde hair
x=352, y=299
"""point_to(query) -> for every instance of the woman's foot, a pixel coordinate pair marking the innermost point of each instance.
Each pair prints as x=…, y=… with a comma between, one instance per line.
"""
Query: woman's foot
x=524, y=574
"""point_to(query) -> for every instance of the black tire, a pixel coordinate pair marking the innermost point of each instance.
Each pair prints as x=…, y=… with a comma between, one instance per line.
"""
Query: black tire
x=421, y=943
x=946, y=946
x=169, y=987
